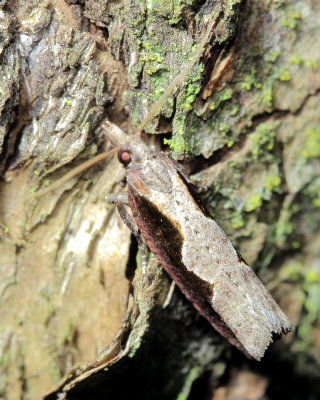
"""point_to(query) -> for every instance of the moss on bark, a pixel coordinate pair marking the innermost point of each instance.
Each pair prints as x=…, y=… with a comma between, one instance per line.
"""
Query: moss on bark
x=248, y=113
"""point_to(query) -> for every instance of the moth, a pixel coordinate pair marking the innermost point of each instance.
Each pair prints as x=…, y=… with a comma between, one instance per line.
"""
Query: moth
x=187, y=241
x=193, y=249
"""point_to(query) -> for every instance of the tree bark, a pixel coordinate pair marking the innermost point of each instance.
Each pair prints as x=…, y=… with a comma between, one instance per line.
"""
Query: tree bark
x=78, y=314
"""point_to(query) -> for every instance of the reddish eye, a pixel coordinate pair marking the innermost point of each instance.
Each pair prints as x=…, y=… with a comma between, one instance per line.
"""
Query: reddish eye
x=124, y=157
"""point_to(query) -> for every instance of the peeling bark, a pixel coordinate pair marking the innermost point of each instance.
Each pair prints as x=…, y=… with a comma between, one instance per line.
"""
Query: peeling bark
x=246, y=122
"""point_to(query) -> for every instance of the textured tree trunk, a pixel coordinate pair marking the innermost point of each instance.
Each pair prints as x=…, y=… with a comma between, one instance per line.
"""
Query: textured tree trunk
x=246, y=125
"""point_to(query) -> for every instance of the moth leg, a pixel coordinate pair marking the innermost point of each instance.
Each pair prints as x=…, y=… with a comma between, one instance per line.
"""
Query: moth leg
x=118, y=198
x=131, y=224
x=121, y=201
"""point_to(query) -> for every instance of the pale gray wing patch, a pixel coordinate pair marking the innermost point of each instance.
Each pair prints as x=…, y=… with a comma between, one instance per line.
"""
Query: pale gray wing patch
x=249, y=310
x=157, y=178
x=154, y=176
x=264, y=302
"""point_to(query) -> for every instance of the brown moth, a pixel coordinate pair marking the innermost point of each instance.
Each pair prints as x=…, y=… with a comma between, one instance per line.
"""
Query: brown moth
x=189, y=244
x=193, y=249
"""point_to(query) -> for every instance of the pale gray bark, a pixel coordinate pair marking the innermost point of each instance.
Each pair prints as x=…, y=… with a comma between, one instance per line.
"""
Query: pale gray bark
x=65, y=66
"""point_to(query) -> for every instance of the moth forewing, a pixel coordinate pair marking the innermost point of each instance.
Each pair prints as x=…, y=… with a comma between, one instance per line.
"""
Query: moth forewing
x=197, y=254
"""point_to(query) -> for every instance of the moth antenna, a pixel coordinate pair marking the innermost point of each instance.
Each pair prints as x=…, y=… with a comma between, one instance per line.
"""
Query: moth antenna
x=75, y=171
x=178, y=79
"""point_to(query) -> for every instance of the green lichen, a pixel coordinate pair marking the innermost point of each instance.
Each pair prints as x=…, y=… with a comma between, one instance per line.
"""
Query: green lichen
x=263, y=140
x=311, y=307
x=267, y=94
x=272, y=182
x=182, y=140
x=191, y=91
x=254, y=202
x=134, y=350
x=285, y=226
x=220, y=97
x=152, y=58
x=283, y=229
x=284, y=75
x=178, y=144
x=225, y=94
x=193, y=374
x=250, y=80
x=311, y=148
x=272, y=56
x=312, y=64
x=296, y=59
x=227, y=26
x=223, y=128
x=237, y=220
x=5, y=229
x=313, y=191
x=270, y=73
x=312, y=276
x=292, y=271
x=161, y=55
x=46, y=182
x=235, y=109
x=292, y=20
x=170, y=9
x=269, y=184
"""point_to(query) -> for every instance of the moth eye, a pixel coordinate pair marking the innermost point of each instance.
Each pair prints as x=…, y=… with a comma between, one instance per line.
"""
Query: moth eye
x=124, y=157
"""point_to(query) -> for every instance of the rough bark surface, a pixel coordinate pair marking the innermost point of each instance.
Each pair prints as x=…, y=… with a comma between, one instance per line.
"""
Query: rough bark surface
x=247, y=125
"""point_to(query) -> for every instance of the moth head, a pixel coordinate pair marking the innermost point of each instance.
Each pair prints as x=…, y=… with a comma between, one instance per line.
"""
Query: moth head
x=131, y=147
x=124, y=156
x=136, y=151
